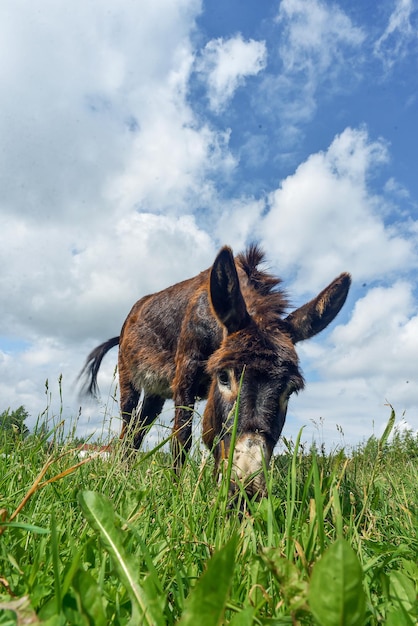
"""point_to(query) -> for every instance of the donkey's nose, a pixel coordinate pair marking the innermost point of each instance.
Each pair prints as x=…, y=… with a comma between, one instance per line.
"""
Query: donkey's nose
x=251, y=455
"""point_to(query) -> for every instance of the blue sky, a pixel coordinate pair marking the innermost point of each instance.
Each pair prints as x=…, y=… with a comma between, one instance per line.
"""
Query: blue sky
x=138, y=138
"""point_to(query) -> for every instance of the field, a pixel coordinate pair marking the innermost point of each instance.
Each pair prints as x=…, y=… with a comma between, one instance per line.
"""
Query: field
x=111, y=541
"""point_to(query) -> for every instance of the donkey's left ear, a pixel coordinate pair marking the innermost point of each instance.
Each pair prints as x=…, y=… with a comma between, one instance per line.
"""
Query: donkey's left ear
x=225, y=292
x=315, y=315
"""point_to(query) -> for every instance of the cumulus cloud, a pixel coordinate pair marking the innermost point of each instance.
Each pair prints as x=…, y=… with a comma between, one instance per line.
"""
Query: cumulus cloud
x=366, y=363
x=75, y=86
x=65, y=291
x=226, y=64
x=323, y=219
x=103, y=163
x=95, y=117
x=381, y=330
x=239, y=220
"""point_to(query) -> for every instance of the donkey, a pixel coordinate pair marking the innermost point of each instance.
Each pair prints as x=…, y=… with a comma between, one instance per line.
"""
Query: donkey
x=221, y=336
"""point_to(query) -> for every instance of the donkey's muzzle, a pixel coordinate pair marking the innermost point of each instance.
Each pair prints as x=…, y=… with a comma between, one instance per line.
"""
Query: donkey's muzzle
x=251, y=458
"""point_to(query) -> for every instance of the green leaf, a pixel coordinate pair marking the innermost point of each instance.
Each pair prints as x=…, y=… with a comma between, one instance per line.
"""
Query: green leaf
x=244, y=617
x=101, y=517
x=336, y=594
x=206, y=603
x=89, y=598
x=402, y=592
x=398, y=617
x=55, y=620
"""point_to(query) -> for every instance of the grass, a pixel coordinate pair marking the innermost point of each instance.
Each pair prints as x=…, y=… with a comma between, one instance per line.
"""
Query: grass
x=124, y=542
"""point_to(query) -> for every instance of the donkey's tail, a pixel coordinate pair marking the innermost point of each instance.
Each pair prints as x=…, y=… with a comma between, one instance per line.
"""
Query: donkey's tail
x=92, y=365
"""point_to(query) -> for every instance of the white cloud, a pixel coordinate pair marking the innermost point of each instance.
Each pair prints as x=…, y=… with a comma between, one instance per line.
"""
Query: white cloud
x=324, y=219
x=315, y=34
x=83, y=91
x=393, y=44
x=380, y=336
x=365, y=363
x=63, y=292
x=238, y=221
x=344, y=412
x=171, y=166
x=392, y=186
x=317, y=43
x=227, y=63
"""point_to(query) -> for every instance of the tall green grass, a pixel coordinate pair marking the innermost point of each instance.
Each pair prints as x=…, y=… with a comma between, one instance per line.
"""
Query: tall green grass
x=125, y=542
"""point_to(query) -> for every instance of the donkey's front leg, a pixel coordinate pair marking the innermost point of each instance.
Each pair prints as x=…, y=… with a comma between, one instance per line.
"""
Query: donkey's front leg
x=181, y=439
x=187, y=386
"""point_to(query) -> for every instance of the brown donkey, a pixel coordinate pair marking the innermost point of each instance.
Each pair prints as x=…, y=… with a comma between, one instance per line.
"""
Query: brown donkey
x=199, y=339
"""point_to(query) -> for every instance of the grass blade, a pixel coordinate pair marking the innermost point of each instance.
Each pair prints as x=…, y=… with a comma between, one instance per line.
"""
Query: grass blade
x=291, y=498
x=31, y=528
x=56, y=562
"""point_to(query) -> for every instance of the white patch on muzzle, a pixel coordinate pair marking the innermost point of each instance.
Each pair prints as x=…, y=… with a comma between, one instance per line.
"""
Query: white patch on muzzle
x=250, y=454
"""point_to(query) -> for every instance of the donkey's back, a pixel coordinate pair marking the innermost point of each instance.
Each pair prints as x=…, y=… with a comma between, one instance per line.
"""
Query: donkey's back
x=160, y=331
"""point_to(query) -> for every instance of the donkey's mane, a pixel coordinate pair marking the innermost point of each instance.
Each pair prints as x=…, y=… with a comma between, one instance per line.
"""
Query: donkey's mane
x=264, y=283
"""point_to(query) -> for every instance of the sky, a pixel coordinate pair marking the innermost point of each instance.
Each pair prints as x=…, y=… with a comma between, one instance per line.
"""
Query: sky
x=137, y=138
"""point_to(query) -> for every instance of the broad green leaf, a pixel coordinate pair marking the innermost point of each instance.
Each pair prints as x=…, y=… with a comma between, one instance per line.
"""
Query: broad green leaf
x=402, y=592
x=55, y=620
x=244, y=617
x=410, y=568
x=206, y=603
x=336, y=594
x=100, y=515
x=398, y=617
x=49, y=615
x=89, y=598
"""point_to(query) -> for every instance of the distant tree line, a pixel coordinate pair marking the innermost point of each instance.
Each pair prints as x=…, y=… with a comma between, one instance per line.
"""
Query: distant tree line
x=12, y=423
x=13, y=429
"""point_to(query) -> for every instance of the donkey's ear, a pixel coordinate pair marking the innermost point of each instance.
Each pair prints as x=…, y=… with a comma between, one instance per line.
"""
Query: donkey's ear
x=314, y=316
x=225, y=292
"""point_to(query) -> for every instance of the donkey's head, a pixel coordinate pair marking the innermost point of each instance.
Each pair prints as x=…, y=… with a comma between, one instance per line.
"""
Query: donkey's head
x=256, y=369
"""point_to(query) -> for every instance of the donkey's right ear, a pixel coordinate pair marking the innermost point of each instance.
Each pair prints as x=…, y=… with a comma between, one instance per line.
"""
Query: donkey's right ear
x=315, y=315
x=225, y=292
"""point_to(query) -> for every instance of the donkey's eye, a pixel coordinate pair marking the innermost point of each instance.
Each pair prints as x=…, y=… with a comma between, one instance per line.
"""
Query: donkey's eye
x=224, y=379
